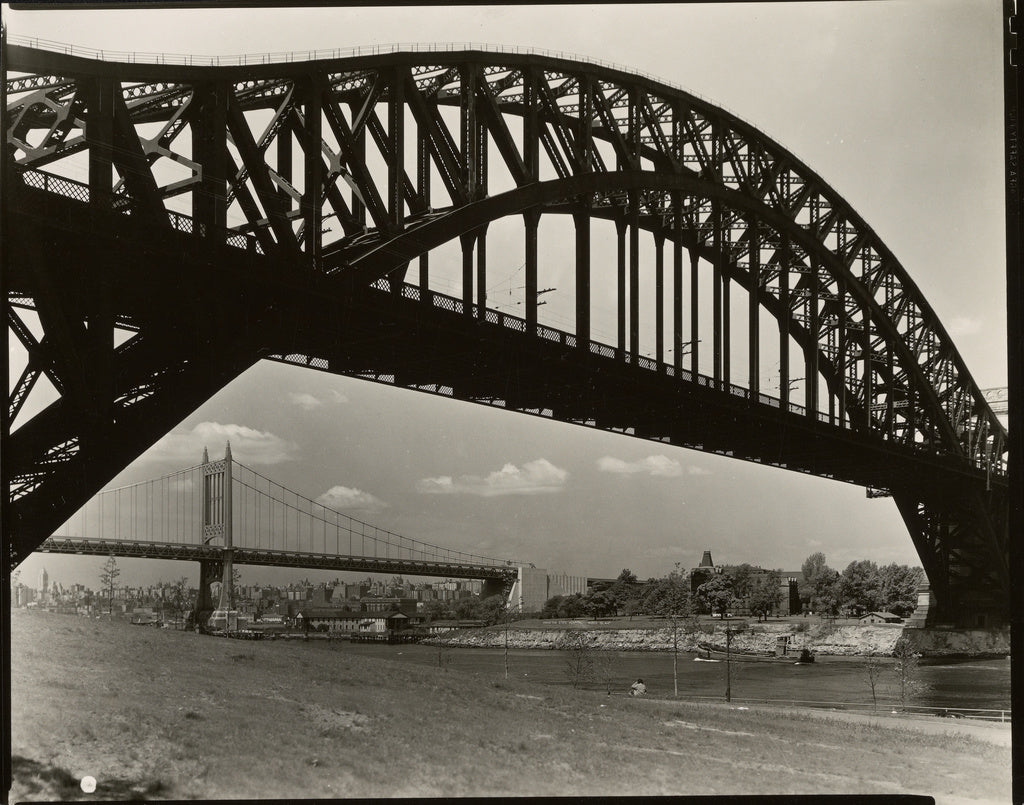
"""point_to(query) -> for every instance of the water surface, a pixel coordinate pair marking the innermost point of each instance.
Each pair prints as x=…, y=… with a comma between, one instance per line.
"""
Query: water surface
x=982, y=684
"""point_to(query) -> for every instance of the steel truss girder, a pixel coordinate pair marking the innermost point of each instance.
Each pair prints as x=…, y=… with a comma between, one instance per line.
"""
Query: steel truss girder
x=379, y=261
x=722, y=148
x=143, y=549
x=844, y=297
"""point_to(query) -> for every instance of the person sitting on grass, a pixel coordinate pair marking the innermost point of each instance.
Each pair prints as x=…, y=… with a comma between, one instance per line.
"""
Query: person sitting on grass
x=638, y=688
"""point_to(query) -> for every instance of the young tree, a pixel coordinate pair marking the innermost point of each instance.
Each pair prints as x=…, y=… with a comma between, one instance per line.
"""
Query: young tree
x=108, y=578
x=179, y=598
x=605, y=666
x=906, y=669
x=873, y=668
x=671, y=598
x=505, y=614
x=579, y=664
x=444, y=654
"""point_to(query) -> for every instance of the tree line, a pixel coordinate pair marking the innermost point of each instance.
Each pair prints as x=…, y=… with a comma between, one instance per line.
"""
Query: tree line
x=862, y=587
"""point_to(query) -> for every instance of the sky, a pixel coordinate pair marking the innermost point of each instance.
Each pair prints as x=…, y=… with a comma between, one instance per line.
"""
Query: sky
x=897, y=105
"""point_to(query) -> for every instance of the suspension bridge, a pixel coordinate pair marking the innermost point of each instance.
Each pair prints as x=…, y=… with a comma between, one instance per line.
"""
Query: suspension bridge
x=223, y=513
x=292, y=210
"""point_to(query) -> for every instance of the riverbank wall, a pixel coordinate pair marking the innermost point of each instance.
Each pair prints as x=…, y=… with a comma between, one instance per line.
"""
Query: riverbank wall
x=960, y=642
x=759, y=639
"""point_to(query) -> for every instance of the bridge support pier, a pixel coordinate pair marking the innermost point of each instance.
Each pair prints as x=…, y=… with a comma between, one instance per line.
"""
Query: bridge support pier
x=965, y=590
x=494, y=587
x=210, y=570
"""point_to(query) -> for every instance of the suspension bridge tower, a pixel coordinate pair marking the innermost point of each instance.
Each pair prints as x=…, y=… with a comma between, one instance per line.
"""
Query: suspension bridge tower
x=216, y=526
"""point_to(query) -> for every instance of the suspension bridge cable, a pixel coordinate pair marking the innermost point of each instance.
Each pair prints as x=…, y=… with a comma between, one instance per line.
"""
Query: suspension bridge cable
x=376, y=535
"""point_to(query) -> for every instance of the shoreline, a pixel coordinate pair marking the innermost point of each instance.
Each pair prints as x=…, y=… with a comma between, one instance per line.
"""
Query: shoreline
x=760, y=640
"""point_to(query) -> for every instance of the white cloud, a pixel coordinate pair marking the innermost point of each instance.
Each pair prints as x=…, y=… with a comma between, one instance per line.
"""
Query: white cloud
x=652, y=465
x=963, y=325
x=344, y=497
x=248, y=445
x=693, y=470
x=307, y=401
x=534, y=477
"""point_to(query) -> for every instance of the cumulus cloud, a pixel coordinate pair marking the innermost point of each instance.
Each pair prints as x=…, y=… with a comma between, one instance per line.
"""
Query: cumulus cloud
x=248, y=445
x=344, y=497
x=534, y=477
x=652, y=465
x=307, y=402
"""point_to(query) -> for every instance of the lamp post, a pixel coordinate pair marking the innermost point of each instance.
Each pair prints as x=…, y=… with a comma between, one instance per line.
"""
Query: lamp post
x=728, y=663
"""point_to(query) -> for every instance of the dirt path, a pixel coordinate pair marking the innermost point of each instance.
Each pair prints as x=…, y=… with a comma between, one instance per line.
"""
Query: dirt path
x=992, y=732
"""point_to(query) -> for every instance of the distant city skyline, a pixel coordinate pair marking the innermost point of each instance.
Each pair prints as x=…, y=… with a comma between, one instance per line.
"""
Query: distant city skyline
x=897, y=105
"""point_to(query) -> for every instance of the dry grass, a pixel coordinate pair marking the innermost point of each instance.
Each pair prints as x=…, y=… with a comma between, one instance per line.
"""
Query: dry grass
x=158, y=714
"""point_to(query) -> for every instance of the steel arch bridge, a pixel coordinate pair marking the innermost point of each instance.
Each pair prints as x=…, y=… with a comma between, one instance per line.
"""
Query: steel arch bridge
x=169, y=225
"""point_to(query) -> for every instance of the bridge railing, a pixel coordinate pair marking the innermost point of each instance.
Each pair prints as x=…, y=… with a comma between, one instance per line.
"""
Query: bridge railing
x=79, y=191
x=453, y=304
x=882, y=709
x=324, y=54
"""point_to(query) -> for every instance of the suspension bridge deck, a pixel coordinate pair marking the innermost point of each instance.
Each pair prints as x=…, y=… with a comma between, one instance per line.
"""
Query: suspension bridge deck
x=143, y=549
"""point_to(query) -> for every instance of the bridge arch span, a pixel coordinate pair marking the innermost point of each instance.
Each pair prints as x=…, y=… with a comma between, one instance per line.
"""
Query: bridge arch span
x=401, y=151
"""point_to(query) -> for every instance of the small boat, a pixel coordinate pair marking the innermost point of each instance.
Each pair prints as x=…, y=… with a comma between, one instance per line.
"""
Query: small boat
x=704, y=659
x=711, y=653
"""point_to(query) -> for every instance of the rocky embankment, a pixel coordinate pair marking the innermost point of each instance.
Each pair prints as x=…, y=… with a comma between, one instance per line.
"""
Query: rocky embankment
x=824, y=639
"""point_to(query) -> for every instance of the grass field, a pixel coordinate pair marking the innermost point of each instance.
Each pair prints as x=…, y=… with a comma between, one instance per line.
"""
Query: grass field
x=161, y=714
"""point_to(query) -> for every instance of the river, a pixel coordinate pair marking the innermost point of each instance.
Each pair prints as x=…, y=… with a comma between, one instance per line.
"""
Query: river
x=954, y=684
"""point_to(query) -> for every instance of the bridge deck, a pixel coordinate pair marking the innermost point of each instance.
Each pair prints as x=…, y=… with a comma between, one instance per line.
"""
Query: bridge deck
x=271, y=558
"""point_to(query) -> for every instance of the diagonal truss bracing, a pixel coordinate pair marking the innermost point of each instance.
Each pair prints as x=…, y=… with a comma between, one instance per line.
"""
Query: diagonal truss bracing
x=252, y=166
